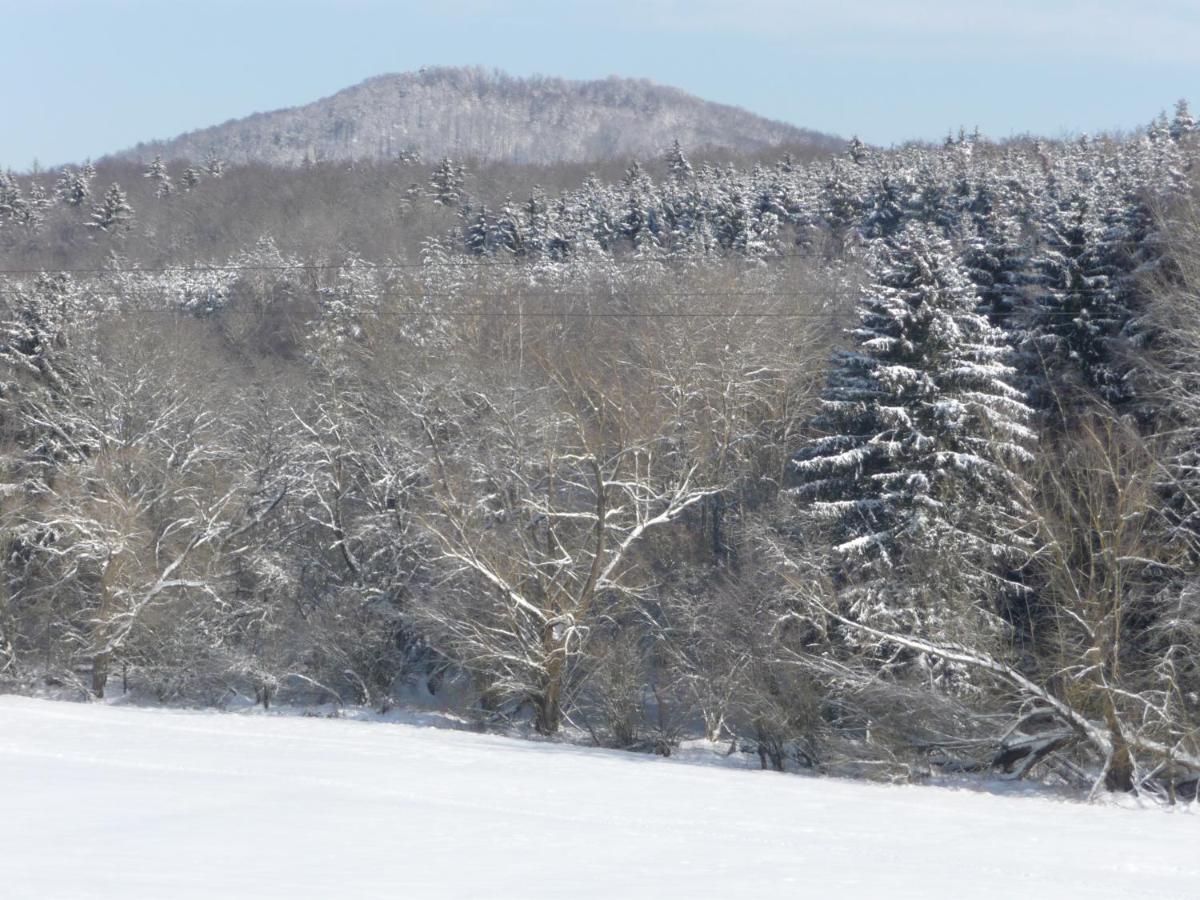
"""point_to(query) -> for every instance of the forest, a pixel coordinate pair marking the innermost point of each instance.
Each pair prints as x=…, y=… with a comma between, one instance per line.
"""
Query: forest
x=876, y=463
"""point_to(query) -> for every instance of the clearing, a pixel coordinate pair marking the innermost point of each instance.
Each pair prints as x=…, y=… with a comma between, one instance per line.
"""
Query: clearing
x=121, y=802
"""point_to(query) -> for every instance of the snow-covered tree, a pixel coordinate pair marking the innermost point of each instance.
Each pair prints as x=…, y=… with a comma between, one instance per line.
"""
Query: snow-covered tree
x=214, y=165
x=157, y=173
x=480, y=233
x=915, y=471
x=1079, y=312
x=13, y=207
x=677, y=163
x=113, y=213
x=74, y=186
x=446, y=183
x=1183, y=124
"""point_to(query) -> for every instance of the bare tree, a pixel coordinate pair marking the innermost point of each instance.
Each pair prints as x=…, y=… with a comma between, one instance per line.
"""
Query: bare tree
x=538, y=516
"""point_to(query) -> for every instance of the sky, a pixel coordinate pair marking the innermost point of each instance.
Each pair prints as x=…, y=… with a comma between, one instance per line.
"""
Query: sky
x=82, y=78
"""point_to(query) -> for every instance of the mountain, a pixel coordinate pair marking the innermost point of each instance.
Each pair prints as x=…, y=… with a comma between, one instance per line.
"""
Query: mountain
x=488, y=116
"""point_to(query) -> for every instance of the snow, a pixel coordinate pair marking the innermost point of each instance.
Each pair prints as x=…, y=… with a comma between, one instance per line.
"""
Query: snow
x=114, y=801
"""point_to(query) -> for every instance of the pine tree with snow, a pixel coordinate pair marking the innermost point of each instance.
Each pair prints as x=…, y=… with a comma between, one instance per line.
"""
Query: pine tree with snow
x=996, y=257
x=509, y=229
x=887, y=206
x=1183, y=124
x=157, y=172
x=838, y=204
x=535, y=227
x=1078, y=312
x=113, y=214
x=446, y=183
x=39, y=201
x=677, y=163
x=190, y=179
x=14, y=209
x=214, y=165
x=915, y=474
x=479, y=233
x=73, y=187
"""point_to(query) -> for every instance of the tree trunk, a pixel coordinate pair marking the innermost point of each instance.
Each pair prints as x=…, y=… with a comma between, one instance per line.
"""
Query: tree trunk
x=1118, y=773
x=547, y=706
x=99, y=674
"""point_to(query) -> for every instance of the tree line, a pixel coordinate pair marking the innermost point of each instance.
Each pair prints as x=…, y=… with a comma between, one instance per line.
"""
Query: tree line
x=879, y=464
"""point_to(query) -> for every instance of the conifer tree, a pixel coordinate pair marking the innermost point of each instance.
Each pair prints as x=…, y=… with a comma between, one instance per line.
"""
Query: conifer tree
x=446, y=183
x=113, y=213
x=14, y=208
x=214, y=165
x=73, y=187
x=996, y=257
x=677, y=163
x=1183, y=124
x=916, y=472
x=1078, y=312
x=36, y=206
x=479, y=233
x=157, y=172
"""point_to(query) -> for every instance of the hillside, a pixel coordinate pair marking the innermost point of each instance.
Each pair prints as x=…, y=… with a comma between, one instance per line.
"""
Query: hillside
x=471, y=113
x=106, y=802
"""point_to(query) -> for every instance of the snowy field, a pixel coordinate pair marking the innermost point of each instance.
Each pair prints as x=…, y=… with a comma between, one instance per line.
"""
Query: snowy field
x=102, y=801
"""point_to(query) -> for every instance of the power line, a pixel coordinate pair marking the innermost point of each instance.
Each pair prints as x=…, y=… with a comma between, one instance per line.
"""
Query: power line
x=455, y=263
x=743, y=313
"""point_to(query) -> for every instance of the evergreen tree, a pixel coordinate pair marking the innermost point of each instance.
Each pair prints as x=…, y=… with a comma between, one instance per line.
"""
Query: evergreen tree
x=915, y=476
x=1078, y=311
x=214, y=165
x=510, y=229
x=838, y=205
x=996, y=258
x=886, y=206
x=191, y=178
x=677, y=163
x=446, y=183
x=73, y=188
x=536, y=225
x=157, y=172
x=36, y=206
x=479, y=233
x=14, y=209
x=1183, y=124
x=113, y=213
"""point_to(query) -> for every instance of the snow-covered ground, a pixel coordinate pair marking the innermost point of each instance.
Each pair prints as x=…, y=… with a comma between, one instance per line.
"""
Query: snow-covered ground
x=102, y=801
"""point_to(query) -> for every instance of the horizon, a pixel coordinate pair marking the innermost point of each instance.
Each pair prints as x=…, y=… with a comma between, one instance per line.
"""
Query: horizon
x=889, y=73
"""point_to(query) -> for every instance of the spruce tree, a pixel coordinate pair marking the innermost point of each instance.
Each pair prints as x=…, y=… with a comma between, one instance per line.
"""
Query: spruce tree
x=157, y=172
x=1078, y=310
x=479, y=233
x=214, y=165
x=12, y=203
x=73, y=187
x=677, y=163
x=915, y=473
x=446, y=183
x=113, y=213
x=1183, y=124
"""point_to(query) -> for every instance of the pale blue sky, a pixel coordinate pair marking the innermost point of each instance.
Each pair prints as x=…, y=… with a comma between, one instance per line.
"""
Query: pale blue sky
x=84, y=77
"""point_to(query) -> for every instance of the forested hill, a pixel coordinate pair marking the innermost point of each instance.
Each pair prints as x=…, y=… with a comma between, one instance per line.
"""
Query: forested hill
x=880, y=464
x=484, y=115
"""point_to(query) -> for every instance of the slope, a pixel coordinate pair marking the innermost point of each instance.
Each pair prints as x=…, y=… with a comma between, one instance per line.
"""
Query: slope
x=486, y=116
x=107, y=801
